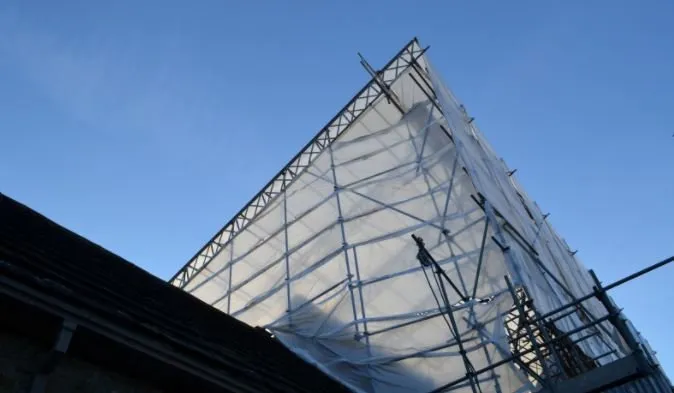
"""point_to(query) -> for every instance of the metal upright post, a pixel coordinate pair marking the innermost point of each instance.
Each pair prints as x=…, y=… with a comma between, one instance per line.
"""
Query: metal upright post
x=445, y=232
x=231, y=267
x=426, y=131
x=481, y=257
x=340, y=219
x=284, y=195
x=362, y=302
x=427, y=260
x=620, y=324
x=464, y=355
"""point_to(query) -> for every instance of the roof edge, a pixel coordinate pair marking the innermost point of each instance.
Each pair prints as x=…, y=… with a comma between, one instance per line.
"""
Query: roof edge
x=338, y=124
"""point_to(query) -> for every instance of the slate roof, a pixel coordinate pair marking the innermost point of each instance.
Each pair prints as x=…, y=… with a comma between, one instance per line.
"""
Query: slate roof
x=45, y=256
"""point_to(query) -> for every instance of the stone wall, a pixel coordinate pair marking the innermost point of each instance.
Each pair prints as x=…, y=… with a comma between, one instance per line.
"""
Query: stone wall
x=19, y=358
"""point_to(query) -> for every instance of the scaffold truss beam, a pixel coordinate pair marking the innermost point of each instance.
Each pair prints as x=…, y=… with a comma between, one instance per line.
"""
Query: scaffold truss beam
x=371, y=92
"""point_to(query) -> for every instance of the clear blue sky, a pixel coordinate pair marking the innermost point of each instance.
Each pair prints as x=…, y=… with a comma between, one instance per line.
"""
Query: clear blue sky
x=145, y=126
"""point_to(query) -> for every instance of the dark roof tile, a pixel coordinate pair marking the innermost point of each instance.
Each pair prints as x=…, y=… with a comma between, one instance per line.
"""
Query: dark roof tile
x=74, y=267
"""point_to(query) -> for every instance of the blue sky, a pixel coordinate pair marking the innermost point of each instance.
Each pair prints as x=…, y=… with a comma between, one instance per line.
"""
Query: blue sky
x=145, y=126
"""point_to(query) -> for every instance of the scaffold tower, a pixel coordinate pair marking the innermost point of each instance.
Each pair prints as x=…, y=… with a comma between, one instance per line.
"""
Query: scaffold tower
x=398, y=253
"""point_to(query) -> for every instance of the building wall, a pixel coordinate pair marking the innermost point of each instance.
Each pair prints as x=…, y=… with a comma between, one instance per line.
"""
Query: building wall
x=19, y=357
x=16, y=357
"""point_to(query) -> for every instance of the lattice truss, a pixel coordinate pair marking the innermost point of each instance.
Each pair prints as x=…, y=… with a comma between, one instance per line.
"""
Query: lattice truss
x=323, y=258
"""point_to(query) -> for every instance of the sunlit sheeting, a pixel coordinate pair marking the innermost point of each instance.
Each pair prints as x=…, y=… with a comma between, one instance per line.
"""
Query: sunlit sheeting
x=328, y=264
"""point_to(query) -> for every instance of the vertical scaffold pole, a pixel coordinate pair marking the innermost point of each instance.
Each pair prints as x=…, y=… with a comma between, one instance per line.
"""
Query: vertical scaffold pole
x=618, y=321
x=362, y=301
x=427, y=260
x=345, y=245
x=231, y=267
x=286, y=242
x=470, y=373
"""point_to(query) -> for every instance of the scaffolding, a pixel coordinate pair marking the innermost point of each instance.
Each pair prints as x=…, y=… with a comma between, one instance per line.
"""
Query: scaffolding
x=485, y=297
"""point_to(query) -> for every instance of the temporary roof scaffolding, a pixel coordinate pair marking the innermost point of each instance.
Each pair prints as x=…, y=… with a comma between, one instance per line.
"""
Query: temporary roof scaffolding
x=323, y=256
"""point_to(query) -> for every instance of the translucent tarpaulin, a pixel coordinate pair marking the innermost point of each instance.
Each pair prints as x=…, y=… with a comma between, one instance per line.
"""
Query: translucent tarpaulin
x=328, y=266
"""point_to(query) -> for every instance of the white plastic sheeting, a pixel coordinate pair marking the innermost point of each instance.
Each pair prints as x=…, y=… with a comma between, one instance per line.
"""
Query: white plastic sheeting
x=544, y=263
x=329, y=266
